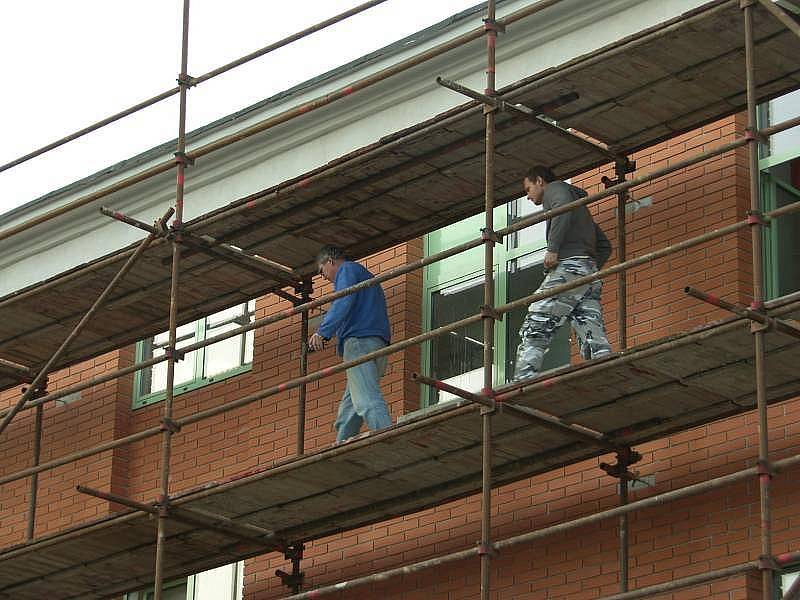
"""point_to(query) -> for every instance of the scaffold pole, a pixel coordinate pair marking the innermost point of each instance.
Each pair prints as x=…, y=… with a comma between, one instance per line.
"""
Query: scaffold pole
x=168, y=425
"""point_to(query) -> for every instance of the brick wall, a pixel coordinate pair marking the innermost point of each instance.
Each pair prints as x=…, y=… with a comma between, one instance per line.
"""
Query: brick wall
x=687, y=537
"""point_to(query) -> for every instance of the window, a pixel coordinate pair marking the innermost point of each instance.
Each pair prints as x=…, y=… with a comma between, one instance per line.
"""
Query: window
x=222, y=583
x=785, y=581
x=780, y=185
x=454, y=290
x=200, y=367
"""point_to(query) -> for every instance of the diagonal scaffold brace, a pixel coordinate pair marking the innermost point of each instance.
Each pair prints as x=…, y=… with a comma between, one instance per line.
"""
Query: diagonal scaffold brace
x=208, y=245
x=37, y=381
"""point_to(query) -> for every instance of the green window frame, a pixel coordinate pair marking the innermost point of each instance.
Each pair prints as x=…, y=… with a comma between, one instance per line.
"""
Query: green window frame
x=222, y=583
x=526, y=246
x=201, y=367
x=781, y=248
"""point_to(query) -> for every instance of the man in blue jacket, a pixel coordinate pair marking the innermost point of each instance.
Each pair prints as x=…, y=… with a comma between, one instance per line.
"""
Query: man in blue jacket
x=361, y=324
x=576, y=247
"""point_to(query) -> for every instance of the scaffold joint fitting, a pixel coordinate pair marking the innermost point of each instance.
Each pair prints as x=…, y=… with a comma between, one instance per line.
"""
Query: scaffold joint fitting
x=764, y=468
x=488, y=235
x=756, y=217
x=768, y=563
x=488, y=312
x=746, y=3
x=175, y=353
x=183, y=159
x=186, y=79
x=493, y=25
x=170, y=425
x=486, y=549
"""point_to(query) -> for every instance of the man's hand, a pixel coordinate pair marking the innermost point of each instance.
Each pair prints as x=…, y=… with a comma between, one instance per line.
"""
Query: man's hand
x=316, y=342
x=550, y=259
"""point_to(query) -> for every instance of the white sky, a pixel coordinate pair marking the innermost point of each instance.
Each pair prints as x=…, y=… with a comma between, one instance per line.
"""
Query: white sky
x=69, y=64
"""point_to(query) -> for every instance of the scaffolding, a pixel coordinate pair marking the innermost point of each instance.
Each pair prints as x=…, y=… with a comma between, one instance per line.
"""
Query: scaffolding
x=504, y=411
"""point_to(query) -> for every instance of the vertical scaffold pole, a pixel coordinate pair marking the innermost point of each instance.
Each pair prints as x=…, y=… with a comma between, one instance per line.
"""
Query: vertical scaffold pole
x=167, y=421
x=34, y=487
x=305, y=296
x=485, y=549
x=758, y=330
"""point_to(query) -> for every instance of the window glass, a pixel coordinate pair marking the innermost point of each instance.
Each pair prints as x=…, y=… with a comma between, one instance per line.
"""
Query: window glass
x=533, y=237
x=785, y=143
x=782, y=187
x=201, y=366
x=525, y=274
x=457, y=357
x=233, y=352
x=184, y=369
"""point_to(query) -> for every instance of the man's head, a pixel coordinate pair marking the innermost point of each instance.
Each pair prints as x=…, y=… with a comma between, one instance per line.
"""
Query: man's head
x=535, y=180
x=328, y=261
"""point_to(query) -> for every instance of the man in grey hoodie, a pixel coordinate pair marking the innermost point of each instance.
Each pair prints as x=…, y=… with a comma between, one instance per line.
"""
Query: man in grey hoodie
x=576, y=247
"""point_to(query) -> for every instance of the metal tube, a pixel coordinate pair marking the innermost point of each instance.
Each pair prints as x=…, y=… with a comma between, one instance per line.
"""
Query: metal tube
x=195, y=81
x=172, y=351
x=301, y=394
x=541, y=417
x=623, y=535
x=782, y=16
x=76, y=331
x=485, y=549
x=657, y=500
x=622, y=278
x=202, y=519
x=270, y=122
x=756, y=233
x=34, y=487
x=505, y=396
x=777, y=324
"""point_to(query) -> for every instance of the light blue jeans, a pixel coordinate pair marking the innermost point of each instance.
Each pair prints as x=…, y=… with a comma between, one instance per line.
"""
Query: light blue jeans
x=362, y=400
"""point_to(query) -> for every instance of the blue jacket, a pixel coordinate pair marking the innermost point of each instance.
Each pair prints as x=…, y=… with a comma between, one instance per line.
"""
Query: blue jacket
x=362, y=314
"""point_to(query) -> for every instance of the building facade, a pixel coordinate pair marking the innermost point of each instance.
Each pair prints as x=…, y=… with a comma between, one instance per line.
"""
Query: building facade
x=686, y=537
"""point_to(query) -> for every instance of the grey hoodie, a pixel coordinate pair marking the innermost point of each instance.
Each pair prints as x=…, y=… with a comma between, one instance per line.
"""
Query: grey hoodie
x=573, y=233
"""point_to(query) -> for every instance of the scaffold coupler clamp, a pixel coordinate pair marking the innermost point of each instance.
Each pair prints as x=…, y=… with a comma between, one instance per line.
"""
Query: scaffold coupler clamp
x=162, y=503
x=489, y=312
x=764, y=470
x=171, y=425
x=751, y=134
x=181, y=158
x=175, y=353
x=487, y=550
x=768, y=563
x=40, y=391
x=625, y=458
x=489, y=394
x=295, y=579
x=493, y=25
x=489, y=235
x=304, y=288
x=756, y=217
x=186, y=79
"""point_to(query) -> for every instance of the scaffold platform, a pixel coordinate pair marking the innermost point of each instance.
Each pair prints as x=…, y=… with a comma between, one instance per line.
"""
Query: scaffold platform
x=642, y=394
x=417, y=180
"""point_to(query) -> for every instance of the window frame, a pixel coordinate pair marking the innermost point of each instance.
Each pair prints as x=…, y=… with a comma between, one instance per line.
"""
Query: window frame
x=141, y=400
x=768, y=187
x=463, y=267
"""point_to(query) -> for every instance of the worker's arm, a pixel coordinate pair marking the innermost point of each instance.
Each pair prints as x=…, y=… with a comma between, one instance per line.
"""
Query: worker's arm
x=602, y=247
x=558, y=195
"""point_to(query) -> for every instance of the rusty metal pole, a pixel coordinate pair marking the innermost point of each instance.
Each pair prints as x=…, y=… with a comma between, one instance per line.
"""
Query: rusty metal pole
x=485, y=550
x=168, y=425
x=34, y=487
x=756, y=232
x=305, y=295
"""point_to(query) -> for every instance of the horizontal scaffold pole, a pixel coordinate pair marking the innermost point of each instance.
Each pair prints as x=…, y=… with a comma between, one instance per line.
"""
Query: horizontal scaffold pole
x=519, y=225
x=657, y=500
x=412, y=341
x=194, y=81
x=283, y=117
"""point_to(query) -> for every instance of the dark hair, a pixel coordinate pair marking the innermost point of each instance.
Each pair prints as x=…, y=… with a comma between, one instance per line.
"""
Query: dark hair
x=330, y=252
x=540, y=171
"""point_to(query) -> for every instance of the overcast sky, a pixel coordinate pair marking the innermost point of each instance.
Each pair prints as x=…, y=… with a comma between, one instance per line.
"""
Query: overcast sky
x=69, y=64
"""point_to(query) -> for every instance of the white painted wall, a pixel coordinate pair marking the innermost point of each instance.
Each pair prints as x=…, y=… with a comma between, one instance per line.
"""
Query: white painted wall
x=563, y=32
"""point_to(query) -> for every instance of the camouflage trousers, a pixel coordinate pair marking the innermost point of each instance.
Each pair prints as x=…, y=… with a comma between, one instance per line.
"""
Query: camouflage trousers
x=580, y=305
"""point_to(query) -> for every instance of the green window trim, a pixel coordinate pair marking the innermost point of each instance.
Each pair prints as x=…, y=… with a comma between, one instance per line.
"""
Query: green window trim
x=469, y=265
